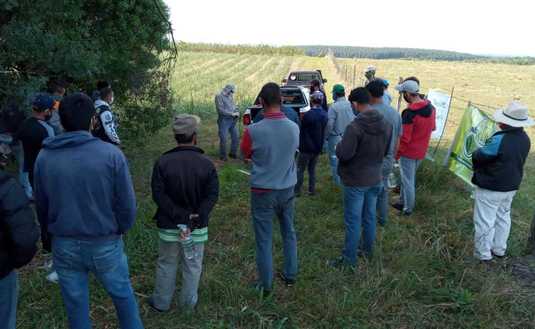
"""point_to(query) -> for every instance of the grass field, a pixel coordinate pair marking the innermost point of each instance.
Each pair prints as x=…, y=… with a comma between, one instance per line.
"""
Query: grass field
x=422, y=274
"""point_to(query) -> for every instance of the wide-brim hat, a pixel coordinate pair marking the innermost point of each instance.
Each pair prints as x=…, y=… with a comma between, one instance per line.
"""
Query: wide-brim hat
x=514, y=115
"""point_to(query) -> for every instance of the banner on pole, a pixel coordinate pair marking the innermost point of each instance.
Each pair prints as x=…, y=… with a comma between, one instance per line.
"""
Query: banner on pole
x=441, y=102
x=475, y=129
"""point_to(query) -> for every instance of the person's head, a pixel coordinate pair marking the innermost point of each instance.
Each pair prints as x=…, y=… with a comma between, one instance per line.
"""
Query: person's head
x=106, y=94
x=315, y=85
x=270, y=97
x=185, y=129
x=376, y=88
x=77, y=112
x=57, y=88
x=316, y=99
x=101, y=84
x=42, y=106
x=338, y=91
x=369, y=73
x=410, y=89
x=360, y=99
x=229, y=90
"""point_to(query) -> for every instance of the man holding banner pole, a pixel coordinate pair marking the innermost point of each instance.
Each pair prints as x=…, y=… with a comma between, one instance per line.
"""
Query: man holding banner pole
x=498, y=171
x=418, y=123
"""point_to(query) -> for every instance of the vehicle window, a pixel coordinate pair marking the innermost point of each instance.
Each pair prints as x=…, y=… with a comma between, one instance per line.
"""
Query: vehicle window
x=292, y=97
x=308, y=76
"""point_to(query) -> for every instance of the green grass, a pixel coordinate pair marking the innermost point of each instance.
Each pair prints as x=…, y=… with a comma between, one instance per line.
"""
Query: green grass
x=422, y=274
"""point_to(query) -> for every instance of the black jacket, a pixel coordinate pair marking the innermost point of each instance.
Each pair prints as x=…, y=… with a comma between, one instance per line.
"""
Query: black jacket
x=18, y=229
x=184, y=182
x=363, y=147
x=499, y=165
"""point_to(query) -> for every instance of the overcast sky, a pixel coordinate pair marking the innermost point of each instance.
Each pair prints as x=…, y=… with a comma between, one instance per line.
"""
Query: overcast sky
x=474, y=26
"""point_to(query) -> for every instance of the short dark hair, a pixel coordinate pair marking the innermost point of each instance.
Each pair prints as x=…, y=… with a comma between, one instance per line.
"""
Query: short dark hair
x=184, y=139
x=76, y=112
x=376, y=88
x=316, y=101
x=342, y=94
x=315, y=83
x=56, y=86
x=360, y=95
x=105, y=92
x=101, y=84
x=271, y=94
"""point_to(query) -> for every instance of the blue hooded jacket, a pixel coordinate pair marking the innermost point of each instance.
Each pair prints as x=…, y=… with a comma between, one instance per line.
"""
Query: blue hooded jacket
x=83, y=188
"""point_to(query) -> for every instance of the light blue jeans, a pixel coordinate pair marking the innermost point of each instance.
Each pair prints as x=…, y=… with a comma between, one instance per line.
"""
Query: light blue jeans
x=8, y=301
x=228, y=125
x=75, y=259
x=265, y=206
x=332, y=141
x=408, y=169
x=359, y=213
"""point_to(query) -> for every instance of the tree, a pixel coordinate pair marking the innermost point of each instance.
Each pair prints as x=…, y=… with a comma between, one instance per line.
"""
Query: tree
x=81, y=41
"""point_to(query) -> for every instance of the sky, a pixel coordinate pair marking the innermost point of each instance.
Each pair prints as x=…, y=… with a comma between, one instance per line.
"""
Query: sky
x=475, y=26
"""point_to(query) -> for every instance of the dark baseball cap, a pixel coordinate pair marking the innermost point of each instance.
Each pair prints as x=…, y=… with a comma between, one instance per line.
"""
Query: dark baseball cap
x=42, y=102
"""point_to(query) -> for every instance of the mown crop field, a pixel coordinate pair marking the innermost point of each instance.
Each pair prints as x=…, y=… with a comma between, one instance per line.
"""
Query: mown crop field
x=422, y=274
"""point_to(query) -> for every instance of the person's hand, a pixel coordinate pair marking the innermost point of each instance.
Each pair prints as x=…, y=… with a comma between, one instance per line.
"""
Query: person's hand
x=184, y=234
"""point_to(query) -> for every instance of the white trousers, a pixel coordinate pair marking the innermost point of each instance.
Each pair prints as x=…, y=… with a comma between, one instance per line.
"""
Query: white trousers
x=492, y=221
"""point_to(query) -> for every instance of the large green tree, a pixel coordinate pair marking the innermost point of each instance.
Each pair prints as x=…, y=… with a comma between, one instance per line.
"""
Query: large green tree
x=81, y=41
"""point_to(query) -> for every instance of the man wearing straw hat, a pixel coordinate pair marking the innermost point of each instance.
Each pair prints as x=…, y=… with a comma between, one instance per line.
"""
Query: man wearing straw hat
x=498, y=170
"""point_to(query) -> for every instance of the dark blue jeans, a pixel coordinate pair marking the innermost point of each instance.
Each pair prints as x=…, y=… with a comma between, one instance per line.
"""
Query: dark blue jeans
x=265, y=206
x=359, y=212
x=304, y=162
x=75, y=259
x=8, y=301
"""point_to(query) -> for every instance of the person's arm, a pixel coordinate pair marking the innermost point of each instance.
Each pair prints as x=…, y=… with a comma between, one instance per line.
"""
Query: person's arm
x=487, y=153
x=246, y=145
x=124, y=206
x=164, y=202
x=406, y=136
x=222, y=107
x=331, y=115
x=19, y=220
x=210, y=199
x=110, y=127
x=347, y=148
x=41, y=204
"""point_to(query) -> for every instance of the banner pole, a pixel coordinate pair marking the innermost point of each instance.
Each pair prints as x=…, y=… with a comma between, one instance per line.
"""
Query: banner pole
x=445, y=123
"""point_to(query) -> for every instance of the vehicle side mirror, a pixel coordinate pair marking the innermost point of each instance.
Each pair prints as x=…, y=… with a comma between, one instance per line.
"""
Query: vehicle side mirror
x=324, y=80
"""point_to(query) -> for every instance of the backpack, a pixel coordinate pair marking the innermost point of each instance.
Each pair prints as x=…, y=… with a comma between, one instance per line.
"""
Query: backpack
x=98, y=128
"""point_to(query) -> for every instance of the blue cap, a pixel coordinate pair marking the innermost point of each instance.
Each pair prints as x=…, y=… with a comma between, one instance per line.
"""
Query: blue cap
x=42, y=102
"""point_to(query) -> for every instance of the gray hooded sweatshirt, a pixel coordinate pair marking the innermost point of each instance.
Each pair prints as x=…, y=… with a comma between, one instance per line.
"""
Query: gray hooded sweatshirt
x=224, y=102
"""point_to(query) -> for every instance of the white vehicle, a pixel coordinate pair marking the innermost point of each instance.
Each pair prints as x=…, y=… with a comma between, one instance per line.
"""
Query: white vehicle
x=296, y=97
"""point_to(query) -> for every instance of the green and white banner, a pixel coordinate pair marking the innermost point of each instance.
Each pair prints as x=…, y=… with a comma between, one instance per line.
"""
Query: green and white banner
x=475, y=129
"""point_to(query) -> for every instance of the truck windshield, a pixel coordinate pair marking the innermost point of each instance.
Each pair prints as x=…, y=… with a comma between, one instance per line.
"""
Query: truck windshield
x=304, y=76
x=292, y=97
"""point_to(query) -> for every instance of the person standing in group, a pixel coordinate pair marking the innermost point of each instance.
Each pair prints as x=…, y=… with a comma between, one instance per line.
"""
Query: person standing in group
x=365, y=144
x=227, y=120
x=376, y=89
x=271, y=145
x=185, y=195
x=56, y=89
x=316, y=86
x=369, y=75
x=105, y=126
x=85, y=197
x=418, y=124
x=387, y=98
x=340, y=115
x=34, y=131
x=312, y=136
x=18, y=243
x=498, y=171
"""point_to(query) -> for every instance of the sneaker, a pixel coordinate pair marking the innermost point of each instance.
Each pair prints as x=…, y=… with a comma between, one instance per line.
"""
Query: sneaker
x=311, y=193
x=397, y=206
x=287, y=282
x=340, y=263
x=150, y=302
x=498, y=256
x=53, y=277
x=232, y=156
x=405, y=213
x=264, y=293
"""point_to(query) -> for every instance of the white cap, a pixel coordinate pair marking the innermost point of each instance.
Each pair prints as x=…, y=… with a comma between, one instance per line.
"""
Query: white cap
x=409, y=86
x=370, y=68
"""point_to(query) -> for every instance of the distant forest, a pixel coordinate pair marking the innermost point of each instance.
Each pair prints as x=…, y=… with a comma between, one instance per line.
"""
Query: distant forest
x=409, y=53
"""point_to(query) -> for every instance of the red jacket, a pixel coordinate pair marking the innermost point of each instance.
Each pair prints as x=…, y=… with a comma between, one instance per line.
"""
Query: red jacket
x=418, y=124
